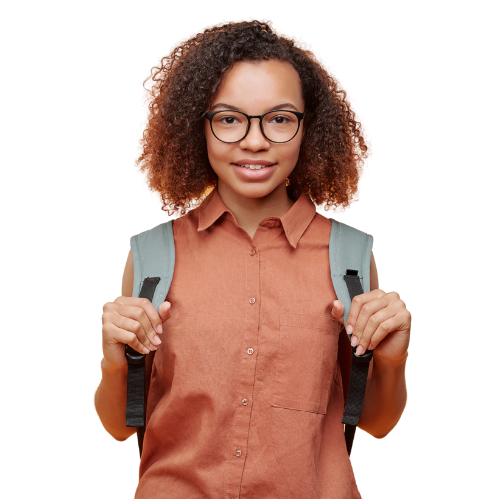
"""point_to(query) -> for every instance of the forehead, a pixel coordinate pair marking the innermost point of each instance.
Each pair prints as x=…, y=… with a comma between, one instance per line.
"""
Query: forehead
x=253, y=86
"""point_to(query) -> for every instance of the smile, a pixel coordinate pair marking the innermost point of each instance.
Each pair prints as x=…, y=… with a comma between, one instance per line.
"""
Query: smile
x=253, y=167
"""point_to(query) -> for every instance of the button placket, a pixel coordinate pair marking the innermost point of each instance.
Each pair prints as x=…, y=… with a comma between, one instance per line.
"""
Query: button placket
x=249, y=337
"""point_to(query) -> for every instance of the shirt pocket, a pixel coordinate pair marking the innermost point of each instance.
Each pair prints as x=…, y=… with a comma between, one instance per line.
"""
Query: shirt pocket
x=306, y=357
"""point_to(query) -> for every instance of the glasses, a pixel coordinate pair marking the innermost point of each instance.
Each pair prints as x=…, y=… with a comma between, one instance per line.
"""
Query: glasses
x=276, y=126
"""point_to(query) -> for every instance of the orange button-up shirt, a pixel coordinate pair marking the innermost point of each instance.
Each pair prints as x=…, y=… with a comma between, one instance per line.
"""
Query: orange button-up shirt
x=245, y=396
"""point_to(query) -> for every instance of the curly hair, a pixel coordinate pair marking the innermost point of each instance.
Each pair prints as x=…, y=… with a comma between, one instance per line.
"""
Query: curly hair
x=174, y=153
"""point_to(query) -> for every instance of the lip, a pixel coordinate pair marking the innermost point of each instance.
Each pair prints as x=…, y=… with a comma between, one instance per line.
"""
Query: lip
x=251, y=175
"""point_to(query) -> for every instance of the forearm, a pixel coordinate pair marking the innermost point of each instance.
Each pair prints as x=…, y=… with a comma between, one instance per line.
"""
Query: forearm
x=111, y=402
x=385, y=398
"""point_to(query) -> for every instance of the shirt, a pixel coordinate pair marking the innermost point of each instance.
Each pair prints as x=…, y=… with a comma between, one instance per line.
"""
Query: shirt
x=245, y=397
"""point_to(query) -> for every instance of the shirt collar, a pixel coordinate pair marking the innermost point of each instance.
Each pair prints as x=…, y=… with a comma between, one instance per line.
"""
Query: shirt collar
x=294, y=222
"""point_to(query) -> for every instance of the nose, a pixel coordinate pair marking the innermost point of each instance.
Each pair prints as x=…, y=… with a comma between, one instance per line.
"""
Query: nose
x=255, y=140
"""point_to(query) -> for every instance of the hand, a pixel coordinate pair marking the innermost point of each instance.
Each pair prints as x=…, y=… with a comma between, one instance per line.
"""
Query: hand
x=133, y=321
x=379, y=321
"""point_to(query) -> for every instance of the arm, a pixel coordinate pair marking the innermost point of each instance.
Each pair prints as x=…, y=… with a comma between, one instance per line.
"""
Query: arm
x=127, y=320
x=380, y=321
x=111, y=395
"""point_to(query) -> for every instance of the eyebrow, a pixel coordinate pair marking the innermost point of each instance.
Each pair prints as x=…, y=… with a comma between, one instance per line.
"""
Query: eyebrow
x=223, y=105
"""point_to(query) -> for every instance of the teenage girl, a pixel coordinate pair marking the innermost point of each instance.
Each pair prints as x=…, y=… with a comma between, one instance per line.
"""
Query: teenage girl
x=246, y=392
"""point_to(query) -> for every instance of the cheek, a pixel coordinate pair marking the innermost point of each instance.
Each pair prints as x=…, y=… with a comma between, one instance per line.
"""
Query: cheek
x=290, y=154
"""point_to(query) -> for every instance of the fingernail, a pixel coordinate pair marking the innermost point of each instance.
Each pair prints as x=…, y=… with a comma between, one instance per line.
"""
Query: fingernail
x=159, y=328
x=370, y=347
x=145, y=350
x=359, y=350
x=152, y=347
x=354, y=340
x=349, y=329
x=157, y=340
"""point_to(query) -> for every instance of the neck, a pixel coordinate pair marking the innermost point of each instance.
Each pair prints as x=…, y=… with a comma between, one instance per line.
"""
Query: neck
x=249, y=212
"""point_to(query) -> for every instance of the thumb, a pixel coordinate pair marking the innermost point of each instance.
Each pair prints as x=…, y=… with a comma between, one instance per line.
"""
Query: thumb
x=338, y=311
x=164, y=311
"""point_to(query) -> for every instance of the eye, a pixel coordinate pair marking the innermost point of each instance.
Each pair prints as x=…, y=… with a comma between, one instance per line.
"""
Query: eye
x=280, y=119
x=228, y=120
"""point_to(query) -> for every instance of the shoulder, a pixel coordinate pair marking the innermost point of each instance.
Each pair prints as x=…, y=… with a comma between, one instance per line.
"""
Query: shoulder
x=321, y=220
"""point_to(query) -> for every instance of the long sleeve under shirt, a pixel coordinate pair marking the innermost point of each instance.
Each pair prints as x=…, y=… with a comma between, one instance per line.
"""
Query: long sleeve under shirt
x=245, y=398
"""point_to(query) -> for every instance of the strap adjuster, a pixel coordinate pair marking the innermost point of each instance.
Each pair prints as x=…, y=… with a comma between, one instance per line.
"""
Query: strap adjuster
x=134, y=357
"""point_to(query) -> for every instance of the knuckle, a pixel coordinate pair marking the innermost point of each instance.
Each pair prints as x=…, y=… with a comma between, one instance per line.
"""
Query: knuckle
x=356, y=300
x=131, y=339
x=105, y=318
x=366, y=309
x=136, y=328
x=373, y=320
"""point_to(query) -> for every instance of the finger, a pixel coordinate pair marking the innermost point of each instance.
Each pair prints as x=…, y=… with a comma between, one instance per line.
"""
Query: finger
x=153, y=316
x=119, y=335
x=357, y=303
x=367, y=311
x=338, y=311
x=373, y=324
x=135, y=320
x=399, y=322
x=164, y=311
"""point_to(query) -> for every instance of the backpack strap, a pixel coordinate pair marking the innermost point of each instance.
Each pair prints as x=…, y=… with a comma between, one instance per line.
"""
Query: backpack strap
x=350, y=255
x=153, y=253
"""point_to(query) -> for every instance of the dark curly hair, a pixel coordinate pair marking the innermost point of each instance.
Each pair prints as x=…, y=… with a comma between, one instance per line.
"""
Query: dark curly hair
x=174, y=152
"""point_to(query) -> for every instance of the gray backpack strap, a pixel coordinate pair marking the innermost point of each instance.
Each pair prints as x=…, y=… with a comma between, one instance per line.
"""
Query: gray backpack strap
x=350, y=255
x=153, y=252
x=154, y=257
x=349, y=249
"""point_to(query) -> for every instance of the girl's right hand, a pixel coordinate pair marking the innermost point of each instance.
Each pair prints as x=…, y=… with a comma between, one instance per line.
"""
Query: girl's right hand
x=133, y=321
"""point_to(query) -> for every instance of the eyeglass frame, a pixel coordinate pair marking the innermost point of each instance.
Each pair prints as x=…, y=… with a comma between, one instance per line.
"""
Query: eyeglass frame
x=209, y=116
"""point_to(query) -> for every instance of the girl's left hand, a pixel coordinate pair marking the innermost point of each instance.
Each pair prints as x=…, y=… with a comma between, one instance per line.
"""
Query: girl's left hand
x=379, y=321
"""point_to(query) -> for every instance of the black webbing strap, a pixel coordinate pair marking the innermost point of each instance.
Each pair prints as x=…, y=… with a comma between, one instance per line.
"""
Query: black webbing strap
x=359, y=372
x=136, y=374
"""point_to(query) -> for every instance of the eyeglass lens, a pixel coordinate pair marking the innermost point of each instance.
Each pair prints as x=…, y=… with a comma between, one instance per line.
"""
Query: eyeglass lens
x=231, y=126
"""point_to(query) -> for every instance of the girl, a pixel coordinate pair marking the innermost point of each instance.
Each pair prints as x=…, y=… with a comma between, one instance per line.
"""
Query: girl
x=250, y=130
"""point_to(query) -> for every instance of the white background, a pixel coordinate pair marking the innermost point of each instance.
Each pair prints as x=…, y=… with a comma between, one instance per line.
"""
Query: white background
x=422, y=78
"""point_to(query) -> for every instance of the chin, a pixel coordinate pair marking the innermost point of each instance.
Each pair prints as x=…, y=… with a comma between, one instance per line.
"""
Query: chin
x=255, y=191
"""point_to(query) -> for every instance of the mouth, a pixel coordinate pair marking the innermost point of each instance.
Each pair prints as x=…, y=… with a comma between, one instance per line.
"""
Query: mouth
x=253, y=167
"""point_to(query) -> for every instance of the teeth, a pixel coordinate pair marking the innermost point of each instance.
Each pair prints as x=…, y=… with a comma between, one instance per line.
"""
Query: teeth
x=253, y=167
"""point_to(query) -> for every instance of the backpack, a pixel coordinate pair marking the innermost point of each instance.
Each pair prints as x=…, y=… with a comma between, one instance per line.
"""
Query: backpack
x=153, y=252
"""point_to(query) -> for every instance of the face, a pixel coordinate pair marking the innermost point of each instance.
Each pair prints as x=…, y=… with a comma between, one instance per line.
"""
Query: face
x=254, y=89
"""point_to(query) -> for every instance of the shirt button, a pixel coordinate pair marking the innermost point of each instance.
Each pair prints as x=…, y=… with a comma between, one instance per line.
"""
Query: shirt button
x=244, y=401
x=250, y=351
x=238, y=453
x=252, y=252
x=252, y=301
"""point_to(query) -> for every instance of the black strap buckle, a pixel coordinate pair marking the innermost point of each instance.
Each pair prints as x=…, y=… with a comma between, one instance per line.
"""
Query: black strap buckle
x=361, y=358
x=134, y=357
